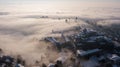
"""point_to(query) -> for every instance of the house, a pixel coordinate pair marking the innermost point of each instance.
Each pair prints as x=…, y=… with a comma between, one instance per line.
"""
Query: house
x=88, y=53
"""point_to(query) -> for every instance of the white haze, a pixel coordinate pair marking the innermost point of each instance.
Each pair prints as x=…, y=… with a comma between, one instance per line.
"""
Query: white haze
x=19, y=35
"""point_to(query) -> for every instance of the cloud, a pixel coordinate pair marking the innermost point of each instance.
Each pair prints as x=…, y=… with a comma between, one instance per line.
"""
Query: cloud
x=4, y=13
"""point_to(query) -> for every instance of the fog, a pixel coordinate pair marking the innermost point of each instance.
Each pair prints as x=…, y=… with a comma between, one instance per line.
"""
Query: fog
x=20, y=35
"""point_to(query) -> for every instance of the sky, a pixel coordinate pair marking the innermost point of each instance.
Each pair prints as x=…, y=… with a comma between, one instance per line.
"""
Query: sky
x=99, y=2
x=91, y=3
x=42, y=1
x=28, y=5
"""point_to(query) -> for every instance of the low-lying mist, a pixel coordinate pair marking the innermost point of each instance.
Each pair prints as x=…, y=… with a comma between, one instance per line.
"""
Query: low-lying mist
x=23, y=36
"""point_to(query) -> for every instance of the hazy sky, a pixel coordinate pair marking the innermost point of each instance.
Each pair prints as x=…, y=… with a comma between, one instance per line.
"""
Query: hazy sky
x=36, y=1
x=72, y=2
